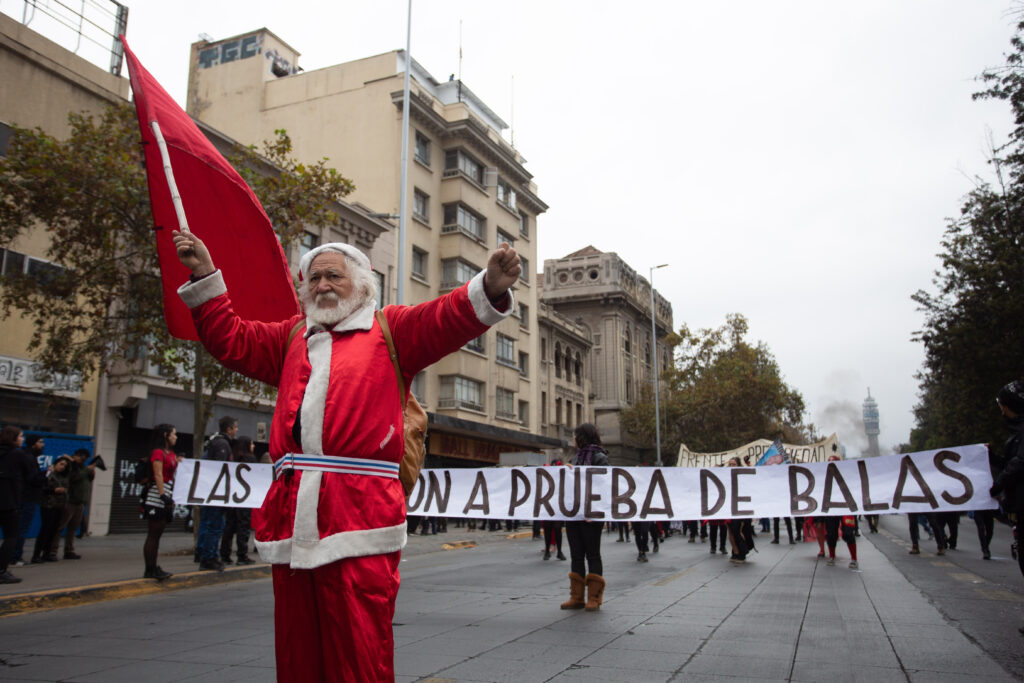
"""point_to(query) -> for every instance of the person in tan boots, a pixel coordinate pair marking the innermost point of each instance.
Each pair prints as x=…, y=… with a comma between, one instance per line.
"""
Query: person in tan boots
x=585, y=537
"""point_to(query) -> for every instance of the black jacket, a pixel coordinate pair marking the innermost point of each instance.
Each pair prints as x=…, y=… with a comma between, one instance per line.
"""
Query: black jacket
x=1010, y=481
x=218, y=448
x=18, y=471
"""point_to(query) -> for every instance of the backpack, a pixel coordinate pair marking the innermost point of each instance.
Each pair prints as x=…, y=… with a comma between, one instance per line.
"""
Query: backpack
x=415, y=419
x=142, y=471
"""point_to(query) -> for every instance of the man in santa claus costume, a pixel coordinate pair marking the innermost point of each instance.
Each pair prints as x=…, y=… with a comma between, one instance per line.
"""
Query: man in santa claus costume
x=333, y=522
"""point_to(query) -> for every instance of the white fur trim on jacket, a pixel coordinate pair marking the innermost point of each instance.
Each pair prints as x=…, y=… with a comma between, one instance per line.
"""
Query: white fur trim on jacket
x=199, y=292
x=485, y=312
x=311, y=554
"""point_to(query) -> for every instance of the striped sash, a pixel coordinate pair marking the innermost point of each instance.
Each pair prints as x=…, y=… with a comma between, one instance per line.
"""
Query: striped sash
x=334, y=463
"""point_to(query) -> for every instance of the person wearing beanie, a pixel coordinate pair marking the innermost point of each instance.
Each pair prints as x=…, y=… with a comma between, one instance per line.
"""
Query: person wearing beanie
x=333, y=523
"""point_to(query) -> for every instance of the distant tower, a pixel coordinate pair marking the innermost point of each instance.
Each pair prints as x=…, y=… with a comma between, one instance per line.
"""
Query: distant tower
x=871, y=424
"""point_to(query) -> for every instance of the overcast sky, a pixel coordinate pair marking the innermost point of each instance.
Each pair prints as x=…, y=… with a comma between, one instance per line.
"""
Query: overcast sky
x=794, y=162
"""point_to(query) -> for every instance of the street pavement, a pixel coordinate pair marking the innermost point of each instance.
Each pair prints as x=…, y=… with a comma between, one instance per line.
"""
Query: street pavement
x=490, y=613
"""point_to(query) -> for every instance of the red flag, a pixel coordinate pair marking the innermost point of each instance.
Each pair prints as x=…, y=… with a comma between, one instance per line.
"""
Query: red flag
x=220, y=208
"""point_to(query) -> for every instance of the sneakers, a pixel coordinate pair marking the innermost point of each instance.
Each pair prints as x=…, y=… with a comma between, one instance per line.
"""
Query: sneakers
x=560, y=555
x=712, y=550
x=735, y=559
x=986, y=555
x=211, y=566
x=775, y=541
x=8, y=577
x=38, y=560
x=547, y=554
x=642, y=557
x=831, y=562
x=72, y=556
x=245, y=561
x=853, y=564
x=915, y=550
x=940, y=551
x=19, y=563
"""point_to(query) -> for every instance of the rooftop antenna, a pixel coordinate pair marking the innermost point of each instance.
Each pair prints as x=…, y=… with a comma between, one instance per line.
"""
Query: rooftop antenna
x=460, y=60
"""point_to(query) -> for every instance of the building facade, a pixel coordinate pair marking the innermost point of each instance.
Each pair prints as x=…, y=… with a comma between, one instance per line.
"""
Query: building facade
x=566, y=394
x=468, y=191
x=611, y=301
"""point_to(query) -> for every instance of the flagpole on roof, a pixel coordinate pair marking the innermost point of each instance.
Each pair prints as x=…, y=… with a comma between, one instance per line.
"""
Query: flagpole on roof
x=179, y=209
x=404, y=184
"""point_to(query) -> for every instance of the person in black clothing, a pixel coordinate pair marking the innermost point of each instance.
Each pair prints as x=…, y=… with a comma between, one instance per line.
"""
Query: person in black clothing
x=641, y=532
x=55, y=498
x=211, y=517
x=585, y=537
x=17, y=470
x=31, y=497
x=238, y=521
x=789, y=530
x=1008, y=487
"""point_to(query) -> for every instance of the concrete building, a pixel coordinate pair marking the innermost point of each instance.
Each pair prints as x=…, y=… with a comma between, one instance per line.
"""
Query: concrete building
x=468, y=191
x=566, y=394
x=599, y=292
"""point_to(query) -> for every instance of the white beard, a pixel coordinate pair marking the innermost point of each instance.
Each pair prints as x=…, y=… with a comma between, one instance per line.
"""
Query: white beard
x=329, y=317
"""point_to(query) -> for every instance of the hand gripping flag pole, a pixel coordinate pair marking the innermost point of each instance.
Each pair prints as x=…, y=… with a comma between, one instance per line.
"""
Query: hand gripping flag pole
x=179, y=209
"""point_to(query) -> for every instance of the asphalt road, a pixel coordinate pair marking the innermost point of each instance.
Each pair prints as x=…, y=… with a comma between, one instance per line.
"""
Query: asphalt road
x=490, y=613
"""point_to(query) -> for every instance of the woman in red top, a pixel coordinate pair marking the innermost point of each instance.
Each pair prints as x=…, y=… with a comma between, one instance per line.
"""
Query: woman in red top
x=157, y=504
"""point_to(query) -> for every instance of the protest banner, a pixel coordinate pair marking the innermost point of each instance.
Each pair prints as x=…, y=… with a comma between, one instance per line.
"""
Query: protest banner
x=948, y=479
x=750, y=453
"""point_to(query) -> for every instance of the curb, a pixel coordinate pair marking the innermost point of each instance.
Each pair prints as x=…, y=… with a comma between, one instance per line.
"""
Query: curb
x=101, y=592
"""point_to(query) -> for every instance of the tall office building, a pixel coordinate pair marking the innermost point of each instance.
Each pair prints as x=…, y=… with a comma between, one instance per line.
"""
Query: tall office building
x=468, y=191
x=871, y=424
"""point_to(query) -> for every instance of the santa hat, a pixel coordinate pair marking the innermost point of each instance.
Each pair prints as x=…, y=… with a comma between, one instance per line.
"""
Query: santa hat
x=340, y=247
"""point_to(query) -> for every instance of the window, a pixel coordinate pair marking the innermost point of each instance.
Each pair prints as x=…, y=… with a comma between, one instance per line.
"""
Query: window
x=558, y=360
x=419, y=388
x=558, y=411
x=307, y=243
x=626, y=342
x=506, y=195
x=379, y=277
x=421, y=206
x=629, y=388
x=524, y=224
x=456, y=161
x=543, y=407
x=647, y=353
x=524, y=413
x=476, y=345
x=457, y=218
x=524, y=315
x=419, y=263
x=422, y=149
x=461, y=392
x=505, y=237
x=455, y=272
x=568, y=414
x=577, y=367
x=543, y=350
x=579, y=413
x=525, y=263
x=505, y=404
x=568, y=365
x=5, y=138
x=14, y=263
x=506, y=350
x=43, y=272
x=524, y=364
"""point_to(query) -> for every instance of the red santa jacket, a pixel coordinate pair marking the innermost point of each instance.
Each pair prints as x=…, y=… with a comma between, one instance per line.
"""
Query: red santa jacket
x=341, y=386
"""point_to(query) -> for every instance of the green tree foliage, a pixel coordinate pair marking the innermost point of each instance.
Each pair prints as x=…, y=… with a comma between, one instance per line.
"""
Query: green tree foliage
x=721, y=392
x=973, y=335
x=101, y=310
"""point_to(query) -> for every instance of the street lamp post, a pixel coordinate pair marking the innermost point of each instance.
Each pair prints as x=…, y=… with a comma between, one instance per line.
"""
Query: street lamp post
x=654, y=366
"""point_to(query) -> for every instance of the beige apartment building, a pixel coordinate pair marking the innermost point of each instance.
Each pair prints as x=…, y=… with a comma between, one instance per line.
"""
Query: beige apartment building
x=468, y=190
x=611, y=302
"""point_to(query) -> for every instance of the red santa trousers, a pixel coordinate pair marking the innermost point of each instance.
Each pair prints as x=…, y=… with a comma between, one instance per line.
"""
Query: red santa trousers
x=333, y=623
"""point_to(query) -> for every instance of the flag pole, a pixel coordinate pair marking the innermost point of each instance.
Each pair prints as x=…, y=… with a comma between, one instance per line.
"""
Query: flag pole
x=179, y=209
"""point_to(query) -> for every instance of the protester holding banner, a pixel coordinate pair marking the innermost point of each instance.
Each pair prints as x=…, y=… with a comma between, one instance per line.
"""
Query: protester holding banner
x=157, y=502
x=1008, y=487
x=585, y=537
x=333, y=522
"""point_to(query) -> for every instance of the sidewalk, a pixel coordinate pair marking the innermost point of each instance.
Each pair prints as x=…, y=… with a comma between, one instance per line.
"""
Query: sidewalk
x=111, y=568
